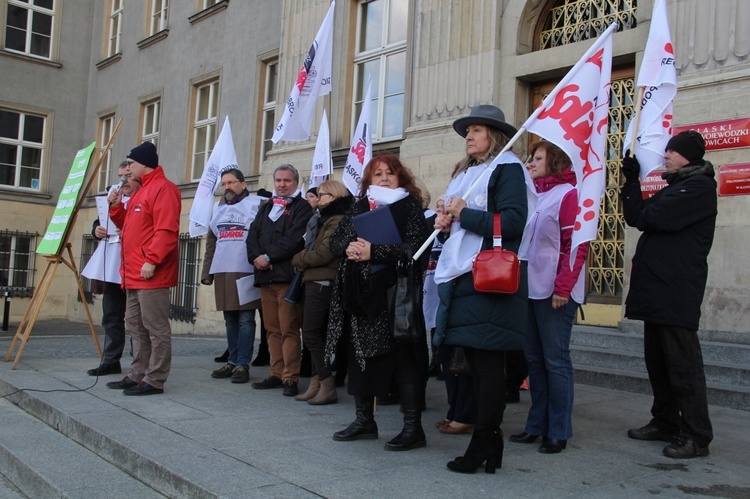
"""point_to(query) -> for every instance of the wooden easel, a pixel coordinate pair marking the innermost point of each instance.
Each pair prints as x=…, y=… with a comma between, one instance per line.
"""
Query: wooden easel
x=53, y=262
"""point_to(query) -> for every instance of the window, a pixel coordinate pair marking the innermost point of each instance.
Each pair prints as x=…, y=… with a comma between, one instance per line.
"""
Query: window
x=159, y=16
x=150, y=119
x=29, y=27
x=21, y=148
x=271, y=71
x=183, y=303
x=114, y=31
x=205, y=105
x=17, y=257
x=570, y=21
x=106, y=126
x=381, y=56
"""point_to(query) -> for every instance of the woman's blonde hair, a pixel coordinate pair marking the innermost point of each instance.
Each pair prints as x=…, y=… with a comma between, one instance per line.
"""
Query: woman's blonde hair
x=334, y=188
x=498, y=140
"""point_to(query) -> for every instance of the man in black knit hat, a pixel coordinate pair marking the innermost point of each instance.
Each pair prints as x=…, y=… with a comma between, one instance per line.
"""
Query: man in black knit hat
x=667, y=283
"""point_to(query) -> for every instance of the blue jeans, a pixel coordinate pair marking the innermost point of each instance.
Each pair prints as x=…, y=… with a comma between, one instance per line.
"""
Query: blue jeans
x=547, y=351
x=240, y=336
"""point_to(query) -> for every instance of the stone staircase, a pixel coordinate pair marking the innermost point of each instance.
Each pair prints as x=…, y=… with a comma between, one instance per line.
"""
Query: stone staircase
x=611, y=358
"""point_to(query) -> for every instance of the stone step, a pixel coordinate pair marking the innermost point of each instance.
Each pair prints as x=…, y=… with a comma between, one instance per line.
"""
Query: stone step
x=41, y=462
x=726, y=373
x=588, y=336
x=732, y=396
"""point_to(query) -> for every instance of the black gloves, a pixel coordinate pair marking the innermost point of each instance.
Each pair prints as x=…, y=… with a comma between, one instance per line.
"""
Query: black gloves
x=631, y=168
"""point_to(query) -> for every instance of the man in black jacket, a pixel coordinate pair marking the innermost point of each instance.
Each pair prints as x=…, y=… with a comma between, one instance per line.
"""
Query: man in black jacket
x=667, y=283
x=275, y=236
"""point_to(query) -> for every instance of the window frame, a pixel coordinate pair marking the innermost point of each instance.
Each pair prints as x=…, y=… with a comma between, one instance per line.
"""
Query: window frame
x=101, y=142
x=155, y=133
x=53, y=52
x=21, y=143
x=380, y=55
x=114, y=13
x=155, y=26
x=12, y=253
x=269, y=94
x=210, y=122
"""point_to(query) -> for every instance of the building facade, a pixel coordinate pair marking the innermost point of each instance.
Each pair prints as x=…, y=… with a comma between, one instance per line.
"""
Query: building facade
x=172, y=71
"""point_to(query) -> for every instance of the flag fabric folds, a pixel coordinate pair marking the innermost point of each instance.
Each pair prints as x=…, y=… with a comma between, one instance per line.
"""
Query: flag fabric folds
x=657, y=80
x=321, y=164
x=222, y=158
x=313, y=81
x=360, y=152
x=574, y=117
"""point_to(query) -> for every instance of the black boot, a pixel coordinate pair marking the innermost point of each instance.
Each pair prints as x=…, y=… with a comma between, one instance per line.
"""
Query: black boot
x=364, y=427
x=486, y=445
x=412, y=435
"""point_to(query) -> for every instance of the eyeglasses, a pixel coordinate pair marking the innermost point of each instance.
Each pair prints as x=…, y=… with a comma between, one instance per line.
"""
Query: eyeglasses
x=321, y=194
x=231, y=182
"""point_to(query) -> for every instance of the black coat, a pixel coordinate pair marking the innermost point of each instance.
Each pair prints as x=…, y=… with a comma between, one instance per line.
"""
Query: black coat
x=670, y=265
x=280, y=240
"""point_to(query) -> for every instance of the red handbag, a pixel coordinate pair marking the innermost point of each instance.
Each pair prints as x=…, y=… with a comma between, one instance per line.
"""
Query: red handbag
x=496, y=270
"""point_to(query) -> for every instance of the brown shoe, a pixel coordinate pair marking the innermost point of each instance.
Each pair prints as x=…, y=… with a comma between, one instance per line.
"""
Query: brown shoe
x=685, y=447
x=327, y=393
x=455, y=428
x=312, y=390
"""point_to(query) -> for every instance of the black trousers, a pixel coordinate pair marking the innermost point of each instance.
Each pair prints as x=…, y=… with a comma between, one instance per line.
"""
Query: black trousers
x=316, y=305
x=488, y=376
x=113, y=322
x=461, y=405
x=675, y=369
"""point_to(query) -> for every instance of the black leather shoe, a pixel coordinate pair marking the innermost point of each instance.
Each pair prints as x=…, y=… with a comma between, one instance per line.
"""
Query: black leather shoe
x=268, y=383
x=223, y=358
x=651, y=432
x=122, y=384
x=552, y=445
x=105, y=369
x=684, y=447
x=142, y=388
x=358, y=430
x=523, y=438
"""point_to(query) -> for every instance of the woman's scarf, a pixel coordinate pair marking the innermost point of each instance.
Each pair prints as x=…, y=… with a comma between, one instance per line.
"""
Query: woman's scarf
x=383, y=196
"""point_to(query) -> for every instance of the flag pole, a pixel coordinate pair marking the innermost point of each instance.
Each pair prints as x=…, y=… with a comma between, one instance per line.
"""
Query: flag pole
x=636, y=119
x=551, y=96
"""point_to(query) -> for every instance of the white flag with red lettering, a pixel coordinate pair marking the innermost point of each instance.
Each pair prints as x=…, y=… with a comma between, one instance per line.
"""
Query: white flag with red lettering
x=313, y=80
x=360, y=152
x=658, y=78
x=574, y=118
x=321, y=164
x=222, y=158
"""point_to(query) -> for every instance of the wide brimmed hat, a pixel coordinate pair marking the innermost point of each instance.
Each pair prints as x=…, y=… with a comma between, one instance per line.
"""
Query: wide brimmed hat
x=487, y=115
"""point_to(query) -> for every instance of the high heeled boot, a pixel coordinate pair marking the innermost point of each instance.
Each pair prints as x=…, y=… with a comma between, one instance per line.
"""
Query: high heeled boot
x=412, y=435
x=486, y=445
x=364, y=426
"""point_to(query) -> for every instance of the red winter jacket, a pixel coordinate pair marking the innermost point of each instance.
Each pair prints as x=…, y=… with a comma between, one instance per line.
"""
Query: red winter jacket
x=150, y=229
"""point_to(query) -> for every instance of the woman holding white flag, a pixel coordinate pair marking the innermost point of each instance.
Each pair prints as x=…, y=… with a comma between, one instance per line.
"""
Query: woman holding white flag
x=484, y=325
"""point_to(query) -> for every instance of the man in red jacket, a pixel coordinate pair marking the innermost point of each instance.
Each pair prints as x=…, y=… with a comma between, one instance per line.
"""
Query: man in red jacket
x=150, y=230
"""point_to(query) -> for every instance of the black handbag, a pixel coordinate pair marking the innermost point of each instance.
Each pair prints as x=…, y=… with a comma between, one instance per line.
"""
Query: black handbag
x=405, y=306
x=293, y=293
x=459, y=365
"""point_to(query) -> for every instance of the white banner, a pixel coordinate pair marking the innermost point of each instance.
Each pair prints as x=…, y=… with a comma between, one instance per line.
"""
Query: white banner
x=321, y=164
x=313, y=80
x=658, y=78
x=222, y=158
x=360, y=152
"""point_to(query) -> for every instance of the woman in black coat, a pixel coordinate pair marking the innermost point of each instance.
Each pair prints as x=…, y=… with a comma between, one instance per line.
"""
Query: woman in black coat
x=359, y=304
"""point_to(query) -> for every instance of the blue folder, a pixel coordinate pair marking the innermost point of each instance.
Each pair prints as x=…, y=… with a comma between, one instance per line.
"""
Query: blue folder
x=378, y=227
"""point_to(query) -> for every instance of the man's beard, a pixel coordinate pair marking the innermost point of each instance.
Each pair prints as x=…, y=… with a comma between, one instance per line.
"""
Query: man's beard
x=229, y=196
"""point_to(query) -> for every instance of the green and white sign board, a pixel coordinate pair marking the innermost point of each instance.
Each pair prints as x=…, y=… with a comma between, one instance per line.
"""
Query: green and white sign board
x=66, y=204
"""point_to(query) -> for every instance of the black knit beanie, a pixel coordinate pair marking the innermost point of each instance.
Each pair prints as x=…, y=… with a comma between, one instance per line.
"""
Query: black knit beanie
x=145, y=154
x=689, y=144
